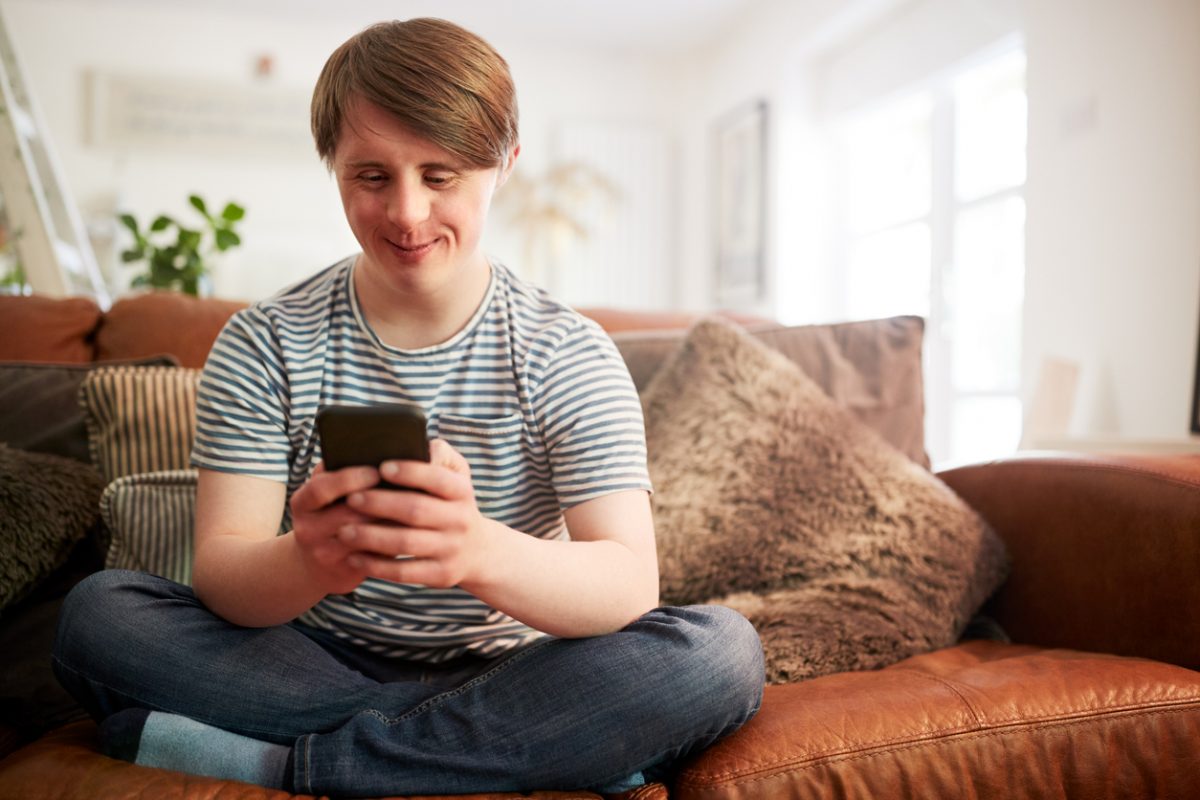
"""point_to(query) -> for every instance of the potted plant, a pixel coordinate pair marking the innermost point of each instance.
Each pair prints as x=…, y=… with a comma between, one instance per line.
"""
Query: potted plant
x=12, y=274
x=177, y=257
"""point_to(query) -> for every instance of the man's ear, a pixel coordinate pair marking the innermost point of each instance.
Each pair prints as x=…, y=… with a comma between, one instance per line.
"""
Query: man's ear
x=507, y=167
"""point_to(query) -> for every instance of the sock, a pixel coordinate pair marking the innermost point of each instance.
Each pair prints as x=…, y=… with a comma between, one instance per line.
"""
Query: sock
x=626, y=784
x=169, y=741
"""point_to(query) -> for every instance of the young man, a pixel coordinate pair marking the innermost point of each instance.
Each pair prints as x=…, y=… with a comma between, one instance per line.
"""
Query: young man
x=491, y=626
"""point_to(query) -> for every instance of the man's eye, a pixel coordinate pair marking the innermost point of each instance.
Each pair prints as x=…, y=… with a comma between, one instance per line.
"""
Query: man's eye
x=374, y=177
x=437, y=180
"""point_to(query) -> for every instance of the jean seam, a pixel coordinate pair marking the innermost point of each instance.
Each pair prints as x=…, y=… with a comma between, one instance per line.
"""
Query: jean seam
x=131, y=699
x=438, y=699
x=303, y=744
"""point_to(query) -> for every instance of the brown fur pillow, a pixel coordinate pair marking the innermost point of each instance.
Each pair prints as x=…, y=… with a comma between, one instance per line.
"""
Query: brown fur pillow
x=772, y=499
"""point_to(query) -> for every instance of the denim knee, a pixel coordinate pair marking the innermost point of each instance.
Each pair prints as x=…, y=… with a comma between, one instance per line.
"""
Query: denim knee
x=101, y=613
x=735, y=652
x=722, y=661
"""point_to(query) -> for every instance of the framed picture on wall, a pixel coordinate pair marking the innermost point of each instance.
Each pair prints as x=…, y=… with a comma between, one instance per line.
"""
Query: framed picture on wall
x=740, y=207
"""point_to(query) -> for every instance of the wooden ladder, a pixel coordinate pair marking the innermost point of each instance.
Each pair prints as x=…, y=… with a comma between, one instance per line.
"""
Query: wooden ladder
x=45, y=228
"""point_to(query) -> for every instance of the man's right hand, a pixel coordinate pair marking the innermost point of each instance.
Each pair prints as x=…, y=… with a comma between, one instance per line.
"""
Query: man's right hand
x=317, y=516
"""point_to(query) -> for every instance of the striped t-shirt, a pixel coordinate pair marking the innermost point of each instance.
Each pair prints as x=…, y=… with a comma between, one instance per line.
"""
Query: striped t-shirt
x=535, y=396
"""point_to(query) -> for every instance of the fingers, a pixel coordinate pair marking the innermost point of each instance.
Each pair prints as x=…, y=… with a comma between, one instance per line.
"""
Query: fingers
x=413, y=509
x=424, y=571
x=448, y=477
x=390, y=541
x=442, y=454
x=325, y=488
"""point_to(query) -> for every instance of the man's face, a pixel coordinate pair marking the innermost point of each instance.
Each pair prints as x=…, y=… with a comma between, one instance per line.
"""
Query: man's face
x=417, y=210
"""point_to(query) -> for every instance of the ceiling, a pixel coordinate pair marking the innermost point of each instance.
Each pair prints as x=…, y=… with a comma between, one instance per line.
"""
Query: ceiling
x=667, y=25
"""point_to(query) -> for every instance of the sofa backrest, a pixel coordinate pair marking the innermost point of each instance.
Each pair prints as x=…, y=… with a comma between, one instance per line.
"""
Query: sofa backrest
x=74, y=330
x=872, y=368
x=47, y=329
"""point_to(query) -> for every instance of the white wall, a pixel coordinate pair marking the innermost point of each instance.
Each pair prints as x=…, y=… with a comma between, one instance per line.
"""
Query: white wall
x=1113, y=192
x=1113, y=248
x=294, y=222
x=762, y=58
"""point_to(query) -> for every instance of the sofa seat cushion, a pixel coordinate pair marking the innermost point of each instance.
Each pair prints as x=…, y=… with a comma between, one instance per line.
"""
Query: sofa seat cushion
x=66, y=765
x=981, y=719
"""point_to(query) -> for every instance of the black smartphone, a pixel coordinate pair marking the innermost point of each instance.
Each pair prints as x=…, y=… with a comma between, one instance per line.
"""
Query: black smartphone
x=353, y=436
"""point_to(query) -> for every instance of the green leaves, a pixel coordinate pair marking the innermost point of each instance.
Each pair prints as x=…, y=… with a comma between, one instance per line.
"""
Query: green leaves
x=180, y=263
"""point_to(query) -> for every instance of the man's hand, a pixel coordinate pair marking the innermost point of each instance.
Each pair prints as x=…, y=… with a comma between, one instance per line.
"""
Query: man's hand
x=317, y=517
x=430, y=533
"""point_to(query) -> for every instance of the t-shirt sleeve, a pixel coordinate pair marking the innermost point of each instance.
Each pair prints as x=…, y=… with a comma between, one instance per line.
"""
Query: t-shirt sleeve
x=591, y=418
x=241, y=405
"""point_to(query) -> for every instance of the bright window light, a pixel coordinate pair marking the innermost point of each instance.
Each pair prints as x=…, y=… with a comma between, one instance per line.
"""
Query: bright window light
x=932, y=222
x=990, y=120
x=888, y=273
x=887, y=178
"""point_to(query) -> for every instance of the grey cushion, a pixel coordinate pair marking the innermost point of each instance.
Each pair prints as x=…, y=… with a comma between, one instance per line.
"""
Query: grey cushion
x=39, y=406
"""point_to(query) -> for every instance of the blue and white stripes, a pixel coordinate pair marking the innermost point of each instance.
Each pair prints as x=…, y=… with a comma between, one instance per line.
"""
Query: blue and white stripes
x=533, y=395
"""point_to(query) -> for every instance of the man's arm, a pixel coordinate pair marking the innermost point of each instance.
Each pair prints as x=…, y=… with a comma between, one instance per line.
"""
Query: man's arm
x=605, y=577
x=601, y=580
x=251, y=576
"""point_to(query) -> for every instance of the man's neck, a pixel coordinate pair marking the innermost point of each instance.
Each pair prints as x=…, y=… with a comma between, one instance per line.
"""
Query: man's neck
x=414, y=317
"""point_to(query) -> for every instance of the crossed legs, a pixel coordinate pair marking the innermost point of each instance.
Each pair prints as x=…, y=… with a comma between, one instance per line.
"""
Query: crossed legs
x=560, y=714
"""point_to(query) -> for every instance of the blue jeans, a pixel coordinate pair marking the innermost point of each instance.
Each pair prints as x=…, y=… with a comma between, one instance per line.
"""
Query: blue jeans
x=558, y=714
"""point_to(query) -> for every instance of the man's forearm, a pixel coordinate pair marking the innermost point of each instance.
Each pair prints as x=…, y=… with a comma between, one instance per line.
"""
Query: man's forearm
x=565, y=588
x=254, y=582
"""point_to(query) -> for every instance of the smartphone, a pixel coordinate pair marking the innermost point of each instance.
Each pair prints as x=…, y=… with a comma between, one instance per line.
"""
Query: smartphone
x=353, y=436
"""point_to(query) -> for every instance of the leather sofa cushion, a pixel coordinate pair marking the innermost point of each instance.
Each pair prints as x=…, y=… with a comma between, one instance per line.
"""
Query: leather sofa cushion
x=48, y=329
x=65, y=765
x=163, y=322
x=1103, y=550
x=982, y=719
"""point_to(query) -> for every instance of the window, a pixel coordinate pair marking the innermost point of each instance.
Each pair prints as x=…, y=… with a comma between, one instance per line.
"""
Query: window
x=931, y=221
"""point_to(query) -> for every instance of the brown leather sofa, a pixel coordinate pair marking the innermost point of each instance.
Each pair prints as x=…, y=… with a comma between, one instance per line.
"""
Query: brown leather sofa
x=1097, y=696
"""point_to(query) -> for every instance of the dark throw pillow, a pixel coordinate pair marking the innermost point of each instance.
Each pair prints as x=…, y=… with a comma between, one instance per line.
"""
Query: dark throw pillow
x=47, y=504
x=39, y=406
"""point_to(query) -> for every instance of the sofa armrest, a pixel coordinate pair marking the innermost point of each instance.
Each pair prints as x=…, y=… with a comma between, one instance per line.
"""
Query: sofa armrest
x=1105, y=550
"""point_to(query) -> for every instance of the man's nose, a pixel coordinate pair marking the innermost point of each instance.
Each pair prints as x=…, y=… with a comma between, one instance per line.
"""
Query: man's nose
x=408, y=206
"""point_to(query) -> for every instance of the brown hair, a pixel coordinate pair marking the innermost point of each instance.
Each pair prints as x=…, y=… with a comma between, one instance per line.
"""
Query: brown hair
x=442, y=82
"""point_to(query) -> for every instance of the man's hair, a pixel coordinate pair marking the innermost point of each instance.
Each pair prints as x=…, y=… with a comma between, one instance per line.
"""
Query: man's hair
x=440, y=81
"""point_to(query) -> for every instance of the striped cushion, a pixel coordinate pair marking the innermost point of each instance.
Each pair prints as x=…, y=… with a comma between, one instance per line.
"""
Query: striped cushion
x=139, y=419
x=150, y=517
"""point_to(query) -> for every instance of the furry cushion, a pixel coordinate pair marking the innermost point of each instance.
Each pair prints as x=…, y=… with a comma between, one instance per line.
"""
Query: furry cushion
x=772, y=499
x=47, y=504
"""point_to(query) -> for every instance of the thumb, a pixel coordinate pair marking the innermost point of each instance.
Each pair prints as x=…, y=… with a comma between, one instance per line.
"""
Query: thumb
x=443, y=455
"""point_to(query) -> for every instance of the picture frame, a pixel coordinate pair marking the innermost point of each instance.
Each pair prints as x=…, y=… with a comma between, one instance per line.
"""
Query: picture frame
x=740, y=144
